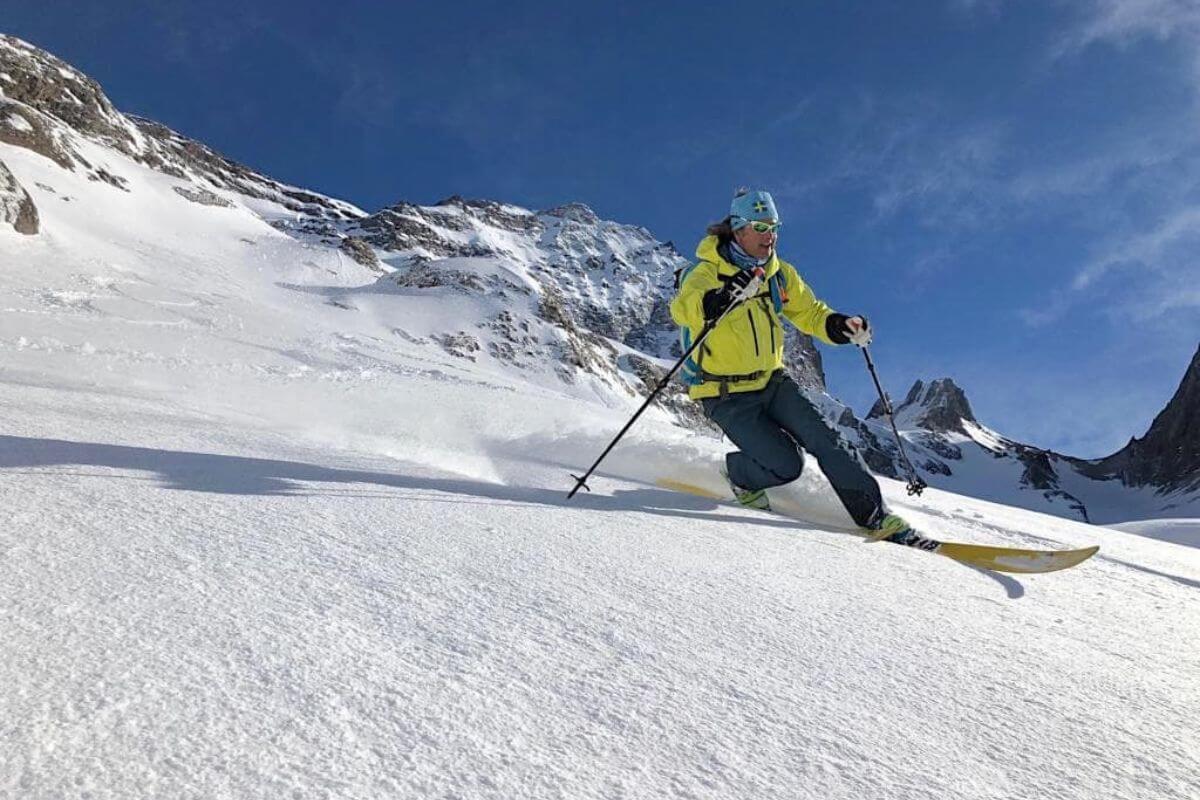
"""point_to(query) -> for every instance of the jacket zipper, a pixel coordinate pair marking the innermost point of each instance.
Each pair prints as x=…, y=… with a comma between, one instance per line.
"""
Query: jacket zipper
x=770, y=323
x=753, y=329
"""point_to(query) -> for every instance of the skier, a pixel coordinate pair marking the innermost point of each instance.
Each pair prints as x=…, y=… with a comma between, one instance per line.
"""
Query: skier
x=738, y=376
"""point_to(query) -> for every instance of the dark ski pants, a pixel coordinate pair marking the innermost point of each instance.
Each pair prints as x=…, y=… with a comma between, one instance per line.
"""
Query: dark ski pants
x=771, y=426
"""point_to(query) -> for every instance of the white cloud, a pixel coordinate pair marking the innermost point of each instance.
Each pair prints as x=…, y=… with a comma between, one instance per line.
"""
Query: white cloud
x=1130, y=183
x=909, y=154
x=1187, y=297
x=1171, y=244
x=1151, y=252
x=1048, y=312
x=1137, y=151
x=948, y=177
x=1124, y=21
x=1134, y=274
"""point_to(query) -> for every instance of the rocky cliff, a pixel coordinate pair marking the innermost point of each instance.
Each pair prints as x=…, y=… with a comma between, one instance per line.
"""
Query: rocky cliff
x=1167, y=457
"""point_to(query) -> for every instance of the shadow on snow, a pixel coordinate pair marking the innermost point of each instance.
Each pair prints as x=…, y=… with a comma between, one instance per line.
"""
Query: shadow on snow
x=240, y=475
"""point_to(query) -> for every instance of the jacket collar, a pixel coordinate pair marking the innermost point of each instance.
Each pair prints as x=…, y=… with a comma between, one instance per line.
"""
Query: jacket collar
x=707, y=251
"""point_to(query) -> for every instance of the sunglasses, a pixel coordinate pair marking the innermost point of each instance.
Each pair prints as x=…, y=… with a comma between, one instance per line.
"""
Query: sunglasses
x=764, y=227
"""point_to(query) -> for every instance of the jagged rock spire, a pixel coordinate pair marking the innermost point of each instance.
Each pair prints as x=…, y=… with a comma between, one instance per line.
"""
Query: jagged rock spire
x=940, y=407
x=1168, y=456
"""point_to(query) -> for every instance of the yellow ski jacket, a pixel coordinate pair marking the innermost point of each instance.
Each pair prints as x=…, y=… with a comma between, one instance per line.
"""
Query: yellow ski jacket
x=741, y=353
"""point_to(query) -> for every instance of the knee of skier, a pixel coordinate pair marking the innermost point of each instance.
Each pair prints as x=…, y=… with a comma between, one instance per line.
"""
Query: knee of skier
x=788, y=471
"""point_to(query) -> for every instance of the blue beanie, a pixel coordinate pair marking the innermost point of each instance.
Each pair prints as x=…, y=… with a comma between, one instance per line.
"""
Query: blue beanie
x=752, y=206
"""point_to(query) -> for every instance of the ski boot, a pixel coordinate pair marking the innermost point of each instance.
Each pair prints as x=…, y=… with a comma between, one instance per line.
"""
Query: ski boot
x=750, y=498
x=892, y=528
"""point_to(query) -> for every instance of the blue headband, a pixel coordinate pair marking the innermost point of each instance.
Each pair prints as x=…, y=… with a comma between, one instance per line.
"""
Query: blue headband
x=754, y=206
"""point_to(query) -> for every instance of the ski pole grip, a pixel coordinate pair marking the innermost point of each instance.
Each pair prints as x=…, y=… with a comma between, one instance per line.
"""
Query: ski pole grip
x=751, y=288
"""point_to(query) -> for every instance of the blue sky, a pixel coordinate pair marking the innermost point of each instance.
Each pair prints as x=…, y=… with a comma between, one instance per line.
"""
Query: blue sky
x=1010, y=190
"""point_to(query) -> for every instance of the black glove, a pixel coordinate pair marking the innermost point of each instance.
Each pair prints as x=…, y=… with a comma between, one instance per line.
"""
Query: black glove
x=716, y=301
x=839, y=330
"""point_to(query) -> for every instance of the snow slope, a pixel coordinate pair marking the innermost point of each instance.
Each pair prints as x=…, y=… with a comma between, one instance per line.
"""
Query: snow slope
x=1180, y=531
x=259, y=546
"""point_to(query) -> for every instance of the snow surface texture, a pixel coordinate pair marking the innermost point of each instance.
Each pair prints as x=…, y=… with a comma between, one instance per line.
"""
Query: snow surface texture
x=259, y=546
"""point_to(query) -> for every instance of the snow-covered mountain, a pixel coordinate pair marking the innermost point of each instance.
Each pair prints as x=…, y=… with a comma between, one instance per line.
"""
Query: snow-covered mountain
x=558, y=293
x=1155, y=476
x=559, y=297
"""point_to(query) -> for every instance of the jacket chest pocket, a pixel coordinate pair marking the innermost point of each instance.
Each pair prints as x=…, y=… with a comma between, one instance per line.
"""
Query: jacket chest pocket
x=753, y=329
x=764, y=326
x=773, y=324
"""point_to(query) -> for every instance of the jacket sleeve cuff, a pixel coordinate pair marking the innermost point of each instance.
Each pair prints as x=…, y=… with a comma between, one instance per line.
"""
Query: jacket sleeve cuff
x=835, y=328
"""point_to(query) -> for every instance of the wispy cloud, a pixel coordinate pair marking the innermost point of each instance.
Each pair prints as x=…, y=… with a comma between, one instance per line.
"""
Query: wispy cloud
x=1141, y=279
x=1174, y=240
x=1153, y=254
x=947, y=176
x=910, y=155
x=1049, y=310
x=1125, y=158
x=1129, y=186
x=1123, y=22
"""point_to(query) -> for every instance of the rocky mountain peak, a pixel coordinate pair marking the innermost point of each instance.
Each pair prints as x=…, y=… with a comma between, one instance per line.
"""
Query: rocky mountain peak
x=48, y=106
x=44, y=102
x=1168, y=456
x=941, y=406
x=53, y=87
x=576, y=212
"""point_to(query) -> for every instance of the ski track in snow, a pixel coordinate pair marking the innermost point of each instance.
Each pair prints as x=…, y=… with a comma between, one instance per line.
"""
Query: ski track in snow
x=259, y=546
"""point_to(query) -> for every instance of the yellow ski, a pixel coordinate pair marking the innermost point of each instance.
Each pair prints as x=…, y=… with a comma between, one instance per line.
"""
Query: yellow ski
x=1012, y=559
x=687, y=488
x=999, y=559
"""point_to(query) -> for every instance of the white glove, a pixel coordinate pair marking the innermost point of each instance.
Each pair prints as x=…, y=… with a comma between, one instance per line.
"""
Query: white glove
x=858, y=331
x=751, y=288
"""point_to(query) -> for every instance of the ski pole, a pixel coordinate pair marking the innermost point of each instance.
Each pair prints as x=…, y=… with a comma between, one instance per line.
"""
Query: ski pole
x=915, y=484
x=749, y=291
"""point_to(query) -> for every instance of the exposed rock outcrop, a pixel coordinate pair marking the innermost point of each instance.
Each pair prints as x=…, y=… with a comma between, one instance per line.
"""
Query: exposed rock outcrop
x=201, y=197
x=23, y=126
x=16, y=206
x=358, y=249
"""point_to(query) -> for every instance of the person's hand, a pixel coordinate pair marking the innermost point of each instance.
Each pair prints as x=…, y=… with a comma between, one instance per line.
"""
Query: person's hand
x=858, y=331
x=738, y=283
x=716, y=301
